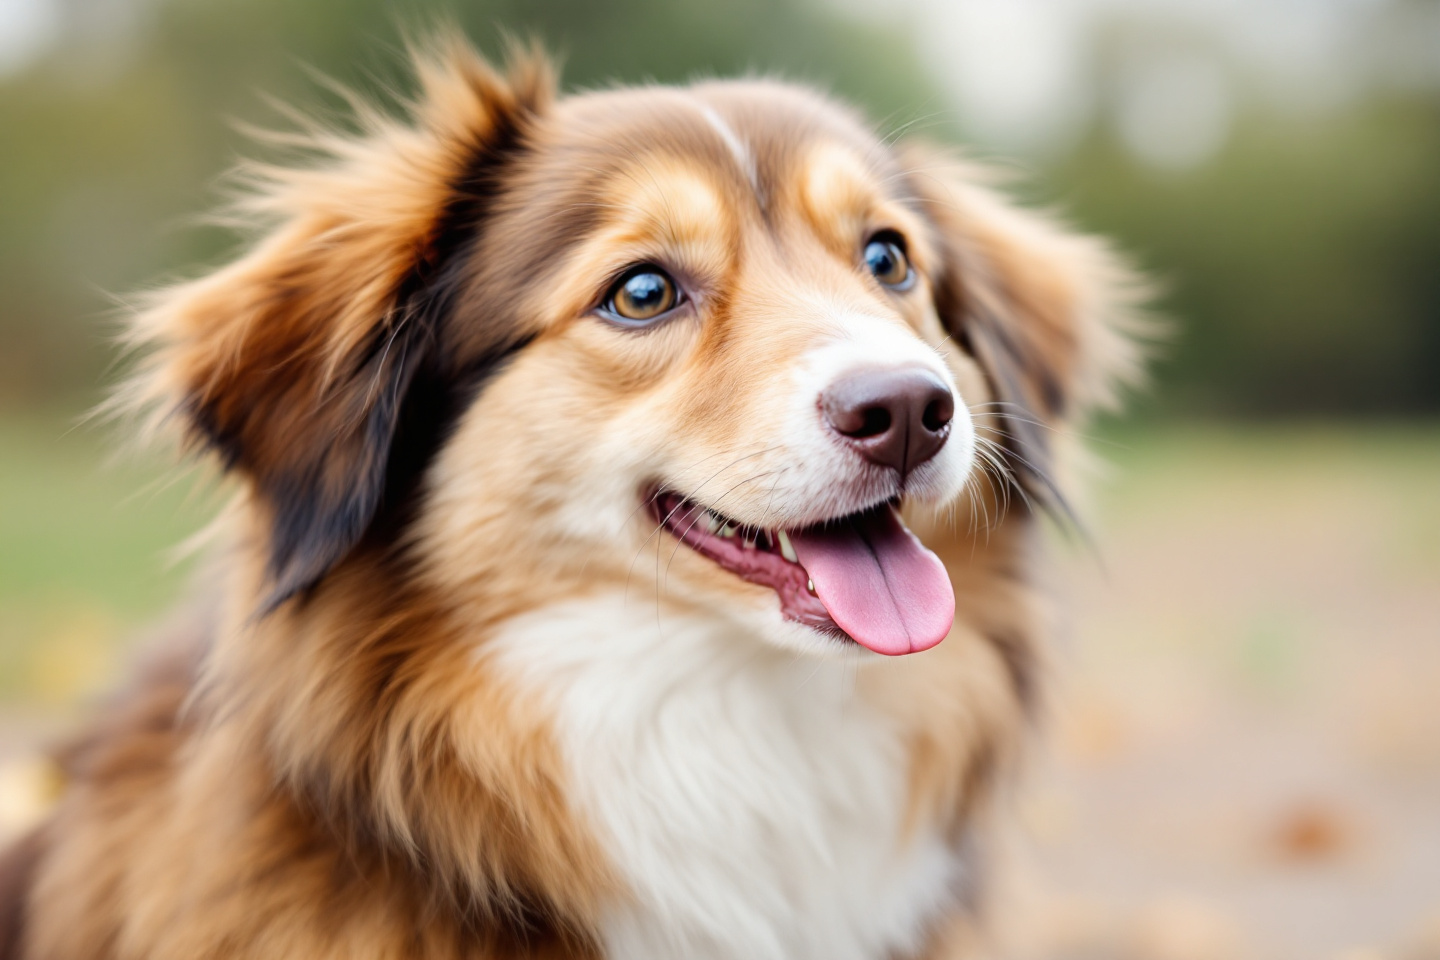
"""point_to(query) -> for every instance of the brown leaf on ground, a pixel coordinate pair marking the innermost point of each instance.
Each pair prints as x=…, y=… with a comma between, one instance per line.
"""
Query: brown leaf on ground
x=1311, y=831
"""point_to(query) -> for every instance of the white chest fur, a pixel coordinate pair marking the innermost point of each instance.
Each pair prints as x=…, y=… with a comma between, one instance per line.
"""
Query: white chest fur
x=754, y=804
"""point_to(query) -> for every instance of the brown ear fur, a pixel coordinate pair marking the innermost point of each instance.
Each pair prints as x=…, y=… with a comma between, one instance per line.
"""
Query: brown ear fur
x=304, y=362
x=1049, y=314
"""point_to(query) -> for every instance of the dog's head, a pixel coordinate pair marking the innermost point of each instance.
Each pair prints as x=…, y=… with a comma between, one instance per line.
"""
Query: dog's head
x=702, y=346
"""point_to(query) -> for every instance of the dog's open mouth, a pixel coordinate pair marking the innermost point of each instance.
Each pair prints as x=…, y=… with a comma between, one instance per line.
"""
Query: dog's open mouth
x=864, y=575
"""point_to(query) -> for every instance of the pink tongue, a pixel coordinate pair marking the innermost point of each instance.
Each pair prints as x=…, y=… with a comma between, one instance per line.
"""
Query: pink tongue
x=878, y=582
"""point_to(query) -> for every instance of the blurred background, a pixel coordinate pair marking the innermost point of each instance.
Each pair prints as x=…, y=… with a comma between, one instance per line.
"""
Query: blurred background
x=1244, y=757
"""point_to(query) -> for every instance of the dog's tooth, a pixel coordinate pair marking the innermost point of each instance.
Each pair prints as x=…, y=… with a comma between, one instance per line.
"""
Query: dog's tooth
x=787, y=550
x=810, y=585
x=709, y=521
x=727, y=531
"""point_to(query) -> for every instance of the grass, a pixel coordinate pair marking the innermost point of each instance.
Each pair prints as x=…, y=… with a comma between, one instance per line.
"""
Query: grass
x=88, y=540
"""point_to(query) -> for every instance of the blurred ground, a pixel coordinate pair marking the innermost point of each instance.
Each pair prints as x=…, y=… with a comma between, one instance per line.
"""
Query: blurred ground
x=1246, y=754
x=1244, y=759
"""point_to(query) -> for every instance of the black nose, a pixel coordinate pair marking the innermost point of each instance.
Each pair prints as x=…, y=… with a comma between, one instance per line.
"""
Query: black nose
x=897, y=418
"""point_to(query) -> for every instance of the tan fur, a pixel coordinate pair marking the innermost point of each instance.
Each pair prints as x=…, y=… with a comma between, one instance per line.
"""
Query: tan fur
x=333, y=766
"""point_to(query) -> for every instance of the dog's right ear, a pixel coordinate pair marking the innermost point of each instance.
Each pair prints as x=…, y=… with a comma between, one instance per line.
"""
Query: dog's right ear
x=296, y=362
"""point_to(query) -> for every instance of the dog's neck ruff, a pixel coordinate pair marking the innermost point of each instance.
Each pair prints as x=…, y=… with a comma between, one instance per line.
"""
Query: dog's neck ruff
x=754, y=804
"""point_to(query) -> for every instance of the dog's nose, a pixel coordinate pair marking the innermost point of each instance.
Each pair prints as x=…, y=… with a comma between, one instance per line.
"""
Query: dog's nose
x=897, y=417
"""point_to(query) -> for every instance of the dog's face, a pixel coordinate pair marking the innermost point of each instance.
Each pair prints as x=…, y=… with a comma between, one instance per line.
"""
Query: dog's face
x=736, y=371
x=699, y=347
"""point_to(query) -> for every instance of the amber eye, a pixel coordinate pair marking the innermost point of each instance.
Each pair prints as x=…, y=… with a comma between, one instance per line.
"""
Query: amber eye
x=885, y=258
x=642, y=295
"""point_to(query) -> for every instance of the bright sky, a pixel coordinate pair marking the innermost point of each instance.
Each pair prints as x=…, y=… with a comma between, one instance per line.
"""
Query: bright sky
x=27, y=28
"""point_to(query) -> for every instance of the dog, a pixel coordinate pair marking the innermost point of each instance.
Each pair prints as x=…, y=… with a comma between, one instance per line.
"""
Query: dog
x=637, y=544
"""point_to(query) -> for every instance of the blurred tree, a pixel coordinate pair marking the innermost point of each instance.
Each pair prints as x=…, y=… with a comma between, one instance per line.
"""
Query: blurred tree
x=1303, y=262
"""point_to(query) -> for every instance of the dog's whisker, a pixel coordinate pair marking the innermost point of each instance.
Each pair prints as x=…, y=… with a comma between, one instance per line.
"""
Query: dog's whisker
x=994, y=457
x=655, y=531
x=680, y=542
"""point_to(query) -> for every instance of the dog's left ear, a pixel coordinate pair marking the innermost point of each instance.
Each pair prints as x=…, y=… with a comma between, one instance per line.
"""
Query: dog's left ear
x=1049, y=314
x=303, y=362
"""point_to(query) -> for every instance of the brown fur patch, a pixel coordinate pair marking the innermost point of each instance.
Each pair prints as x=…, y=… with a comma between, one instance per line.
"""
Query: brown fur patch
x=17, y=870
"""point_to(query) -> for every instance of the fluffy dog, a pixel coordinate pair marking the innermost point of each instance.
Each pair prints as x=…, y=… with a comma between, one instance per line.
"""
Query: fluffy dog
x=597, y=458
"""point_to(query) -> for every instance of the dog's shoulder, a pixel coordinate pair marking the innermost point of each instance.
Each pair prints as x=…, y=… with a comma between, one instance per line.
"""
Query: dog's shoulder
x=135, y=736
x=17, y=870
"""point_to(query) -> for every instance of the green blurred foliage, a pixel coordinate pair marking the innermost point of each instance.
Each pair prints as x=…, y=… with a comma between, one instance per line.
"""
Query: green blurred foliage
x=1299, y=265
x=90, y=543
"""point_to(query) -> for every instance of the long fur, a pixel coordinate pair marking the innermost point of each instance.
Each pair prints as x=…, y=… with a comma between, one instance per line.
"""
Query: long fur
x=458, y=695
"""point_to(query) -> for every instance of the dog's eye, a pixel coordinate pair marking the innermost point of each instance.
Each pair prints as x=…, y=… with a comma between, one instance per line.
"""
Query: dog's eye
x=642, y=295
x=885, y=258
